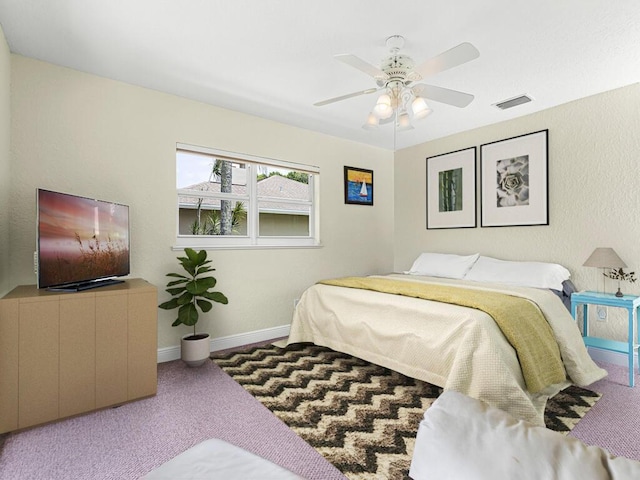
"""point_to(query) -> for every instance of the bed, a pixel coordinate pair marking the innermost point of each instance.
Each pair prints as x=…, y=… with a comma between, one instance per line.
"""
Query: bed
x=452, y=346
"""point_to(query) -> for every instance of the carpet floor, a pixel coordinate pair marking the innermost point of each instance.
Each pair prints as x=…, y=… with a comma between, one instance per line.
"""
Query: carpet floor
x=361, y=417
x=614, y=422
x=196, y=404
x=124, y=443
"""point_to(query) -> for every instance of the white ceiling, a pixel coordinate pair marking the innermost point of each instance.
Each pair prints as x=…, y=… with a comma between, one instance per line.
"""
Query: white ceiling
x=274, y=58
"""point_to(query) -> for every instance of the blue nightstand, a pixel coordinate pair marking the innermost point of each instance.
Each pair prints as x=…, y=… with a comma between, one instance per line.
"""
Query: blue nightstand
x=629, y=302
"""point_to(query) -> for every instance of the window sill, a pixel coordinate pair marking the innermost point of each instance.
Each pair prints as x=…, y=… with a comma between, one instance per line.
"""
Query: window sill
x=177, y=248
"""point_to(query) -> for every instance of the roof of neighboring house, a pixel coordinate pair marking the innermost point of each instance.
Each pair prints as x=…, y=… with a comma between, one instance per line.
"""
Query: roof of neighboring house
x=279, y=186
x=275, y=186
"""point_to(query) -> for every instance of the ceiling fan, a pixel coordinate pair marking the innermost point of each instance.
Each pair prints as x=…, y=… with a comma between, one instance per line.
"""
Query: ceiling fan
x=397, y=77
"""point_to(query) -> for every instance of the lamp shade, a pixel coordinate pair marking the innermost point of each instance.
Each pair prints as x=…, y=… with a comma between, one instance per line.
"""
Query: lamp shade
x=371, y=123
x=419, y=108
x=404, y=123
x=604, y=258
x=383, y=107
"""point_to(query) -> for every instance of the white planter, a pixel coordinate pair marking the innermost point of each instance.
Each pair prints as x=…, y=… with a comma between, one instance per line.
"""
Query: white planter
x=195, y=352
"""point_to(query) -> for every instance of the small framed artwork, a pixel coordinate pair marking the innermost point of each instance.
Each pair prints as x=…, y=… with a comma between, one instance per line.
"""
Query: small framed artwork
x=358, y=186
x=515, y=181
x=451, y=190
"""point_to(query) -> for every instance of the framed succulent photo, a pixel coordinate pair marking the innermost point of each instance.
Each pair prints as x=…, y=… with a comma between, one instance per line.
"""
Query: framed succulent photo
x=514, y=181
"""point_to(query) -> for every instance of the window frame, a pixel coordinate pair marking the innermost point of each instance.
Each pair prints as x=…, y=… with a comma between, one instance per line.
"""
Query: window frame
x=252, y=240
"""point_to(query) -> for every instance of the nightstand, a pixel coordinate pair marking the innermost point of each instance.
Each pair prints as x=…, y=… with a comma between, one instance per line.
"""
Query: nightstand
x=629, y=302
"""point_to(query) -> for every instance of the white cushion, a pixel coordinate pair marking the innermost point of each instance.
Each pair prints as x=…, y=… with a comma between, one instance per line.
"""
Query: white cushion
x=216, y=458
x=523, y=274
x=461, y=438
x=445, y=265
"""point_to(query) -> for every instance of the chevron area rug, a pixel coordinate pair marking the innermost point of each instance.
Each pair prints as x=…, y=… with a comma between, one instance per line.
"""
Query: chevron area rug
x=361, y=417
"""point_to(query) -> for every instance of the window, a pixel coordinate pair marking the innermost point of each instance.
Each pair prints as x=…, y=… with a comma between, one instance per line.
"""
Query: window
x=241, y=201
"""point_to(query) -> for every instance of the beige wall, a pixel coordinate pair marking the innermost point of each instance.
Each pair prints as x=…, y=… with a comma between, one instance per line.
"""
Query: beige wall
x=5, y=155
x=83, y=134
x=594, y=191
x=87, y=135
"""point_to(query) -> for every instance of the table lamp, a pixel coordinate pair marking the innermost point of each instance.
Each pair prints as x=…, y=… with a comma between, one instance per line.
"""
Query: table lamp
x=604, y=258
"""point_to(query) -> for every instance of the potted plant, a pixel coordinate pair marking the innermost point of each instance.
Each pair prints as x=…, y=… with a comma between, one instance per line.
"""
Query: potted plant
x=620, y=275
x=192, y=292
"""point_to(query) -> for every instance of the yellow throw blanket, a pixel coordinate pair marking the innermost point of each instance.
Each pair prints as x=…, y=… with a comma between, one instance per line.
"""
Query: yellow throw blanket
x=520, y=320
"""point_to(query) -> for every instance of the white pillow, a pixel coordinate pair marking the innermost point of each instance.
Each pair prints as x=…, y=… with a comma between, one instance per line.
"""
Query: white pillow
x=215, y=458
x=461, y=438
x=445, y=265
x=522, y=274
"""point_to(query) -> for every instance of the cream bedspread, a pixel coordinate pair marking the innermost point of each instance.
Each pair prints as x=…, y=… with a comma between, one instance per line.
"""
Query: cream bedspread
x=457, y=348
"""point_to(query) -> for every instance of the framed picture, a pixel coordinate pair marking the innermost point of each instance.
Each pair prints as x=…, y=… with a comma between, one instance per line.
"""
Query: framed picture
x=515, y=181
x=451, y=190
x=358, y=186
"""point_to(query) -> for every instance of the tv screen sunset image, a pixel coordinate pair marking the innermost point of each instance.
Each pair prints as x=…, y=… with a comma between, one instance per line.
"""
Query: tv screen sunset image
x=80, y=239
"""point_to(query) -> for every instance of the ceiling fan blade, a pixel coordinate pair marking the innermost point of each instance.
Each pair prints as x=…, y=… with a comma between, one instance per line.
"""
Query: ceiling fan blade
x=443, y=95
x=463, y=53
x=361, y=65
x=344, y=97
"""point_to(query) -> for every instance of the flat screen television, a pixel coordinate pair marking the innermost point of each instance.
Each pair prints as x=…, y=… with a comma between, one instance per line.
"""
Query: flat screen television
x=82, y=243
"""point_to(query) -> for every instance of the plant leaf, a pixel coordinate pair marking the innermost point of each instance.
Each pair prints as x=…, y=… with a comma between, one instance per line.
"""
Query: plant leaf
x=199, y=286
x=185, y=298
x=188, y=314
x=205, y=269
x=177, y=275
x=216, y=297
x=205, y=305
x=177, y=282
x=211, y=281
x=168, y=305
x=188, y=266
x=191, y=253
x=196, y=258
x=201, y=258
x=175, y=291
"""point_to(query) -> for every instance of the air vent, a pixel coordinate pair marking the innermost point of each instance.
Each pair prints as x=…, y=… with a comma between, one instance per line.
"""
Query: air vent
x=513, y=102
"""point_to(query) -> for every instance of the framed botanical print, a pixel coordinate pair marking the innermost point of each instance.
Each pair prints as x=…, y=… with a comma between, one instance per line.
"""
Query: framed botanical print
x=451, y=190
x=515, y=181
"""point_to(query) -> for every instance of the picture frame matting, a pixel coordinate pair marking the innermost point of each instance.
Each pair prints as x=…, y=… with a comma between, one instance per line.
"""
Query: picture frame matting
x=451, y=190
x=514, y=182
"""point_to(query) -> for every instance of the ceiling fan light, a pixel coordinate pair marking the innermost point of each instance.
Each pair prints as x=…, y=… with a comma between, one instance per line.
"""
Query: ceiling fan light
x=404, y=123
x=371, y=123
x=383, y=107
x=387, y=114
x=420, y=108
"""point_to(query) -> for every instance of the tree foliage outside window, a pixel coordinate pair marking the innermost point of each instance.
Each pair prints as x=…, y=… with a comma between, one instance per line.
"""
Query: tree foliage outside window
x=210, y=222
x=297, y=176
x=226, y=220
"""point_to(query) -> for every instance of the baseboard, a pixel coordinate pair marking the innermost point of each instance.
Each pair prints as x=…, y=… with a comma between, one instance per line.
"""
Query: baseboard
x=168, y=354
x=615, y=358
